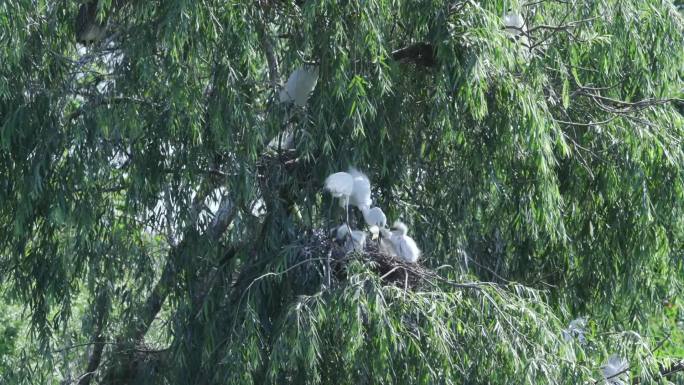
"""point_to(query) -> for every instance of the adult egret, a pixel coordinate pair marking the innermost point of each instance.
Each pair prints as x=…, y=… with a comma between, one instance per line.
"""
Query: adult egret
x=355, y=242
x=516, y=28
x=361, y=194
x=514, y=23
x=615, y=370
x=374, y=216
x=299, y=85
x=340, y=185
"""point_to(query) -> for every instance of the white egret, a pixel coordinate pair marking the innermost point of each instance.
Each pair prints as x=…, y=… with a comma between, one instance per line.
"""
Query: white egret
x=355, y=242
x=375, y=232
x=576, y=328
x=361, y=195
x=514, y=23
x=374, y=216
x=340, y=185
x=386, y=245
x=615, y=370
x=404, y=245
x=299, y=85
x=397, y=243
x=516, y=27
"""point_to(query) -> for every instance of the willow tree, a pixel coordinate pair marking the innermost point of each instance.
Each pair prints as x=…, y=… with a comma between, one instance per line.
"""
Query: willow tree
x=155, y=237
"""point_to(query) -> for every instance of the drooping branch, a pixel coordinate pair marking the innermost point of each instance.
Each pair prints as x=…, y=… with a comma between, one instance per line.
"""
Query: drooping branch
x=675, y=368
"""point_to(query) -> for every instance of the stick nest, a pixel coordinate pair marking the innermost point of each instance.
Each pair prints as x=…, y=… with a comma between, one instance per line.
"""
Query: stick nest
x=390, y=269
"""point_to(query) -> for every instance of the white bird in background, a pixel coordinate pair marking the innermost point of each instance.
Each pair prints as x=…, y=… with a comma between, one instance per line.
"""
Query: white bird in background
x=517, y=29
x=615, y=371
x=374, y=216
x=514, y=23
x=340, y=185
x=299, y=85
x=576, y=328
x=357, y=240
x=361, y=195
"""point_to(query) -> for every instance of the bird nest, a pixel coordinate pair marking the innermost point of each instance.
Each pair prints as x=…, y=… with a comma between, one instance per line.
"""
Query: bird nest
x=390, y=269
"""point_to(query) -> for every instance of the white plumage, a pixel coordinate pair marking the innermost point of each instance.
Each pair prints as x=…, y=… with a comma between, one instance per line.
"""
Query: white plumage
x=283, y=141
x=404, y=245
x=340, y=185
x=398, y=244
x=356, y=242
x=514, y=24
x=299, y=85
x=374, y=216
x=386, y=245
x=353, y=188
x=615, y=370
x=361, y=195
x=576, y=328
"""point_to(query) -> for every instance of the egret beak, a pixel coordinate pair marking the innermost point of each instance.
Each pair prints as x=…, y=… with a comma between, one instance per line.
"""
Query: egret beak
x=375, y=232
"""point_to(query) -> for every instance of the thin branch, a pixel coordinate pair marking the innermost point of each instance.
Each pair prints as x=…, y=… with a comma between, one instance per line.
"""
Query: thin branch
x=271, y=59
x=586, y=124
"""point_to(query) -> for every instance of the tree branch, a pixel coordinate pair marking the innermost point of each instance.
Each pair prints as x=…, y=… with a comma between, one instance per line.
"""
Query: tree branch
x=101, y=312
x=271, y=58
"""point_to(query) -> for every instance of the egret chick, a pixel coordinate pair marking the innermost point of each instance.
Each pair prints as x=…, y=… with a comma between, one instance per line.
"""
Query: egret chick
x=386, y=245
x=356, y=242
x=374, y=216
x=375, y=232
x=404, y=245
x=299, y=85
x=340, y=185
x=361, y=194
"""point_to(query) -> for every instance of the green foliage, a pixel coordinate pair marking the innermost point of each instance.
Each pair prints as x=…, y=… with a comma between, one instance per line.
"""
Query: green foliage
x=132, y=171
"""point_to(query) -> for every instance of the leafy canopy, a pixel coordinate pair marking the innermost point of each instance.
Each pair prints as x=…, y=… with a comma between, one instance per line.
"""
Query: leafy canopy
x=154, y=238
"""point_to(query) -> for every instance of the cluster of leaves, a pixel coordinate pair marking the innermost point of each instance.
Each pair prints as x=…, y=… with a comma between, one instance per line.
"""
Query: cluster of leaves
x=556, y=163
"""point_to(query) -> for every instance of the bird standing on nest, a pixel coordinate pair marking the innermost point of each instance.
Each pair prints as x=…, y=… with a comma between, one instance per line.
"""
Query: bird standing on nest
x=398, y=243
x=361, y=194
x=341, y=186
